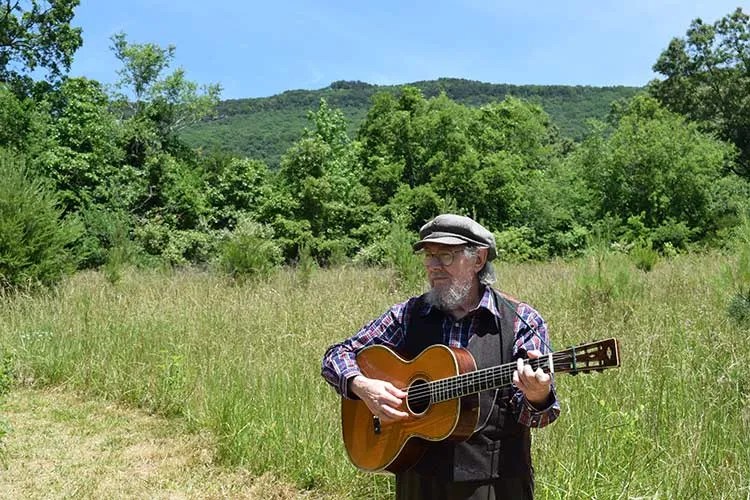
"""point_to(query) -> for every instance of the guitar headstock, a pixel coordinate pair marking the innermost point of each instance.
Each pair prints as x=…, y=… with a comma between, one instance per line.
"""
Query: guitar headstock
x=594, y=356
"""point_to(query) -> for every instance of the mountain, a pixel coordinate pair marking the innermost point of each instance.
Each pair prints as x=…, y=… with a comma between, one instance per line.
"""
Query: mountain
x=264, y=128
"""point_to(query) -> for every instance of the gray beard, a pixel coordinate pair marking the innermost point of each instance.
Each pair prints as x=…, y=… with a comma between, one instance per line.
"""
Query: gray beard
x=450, y=298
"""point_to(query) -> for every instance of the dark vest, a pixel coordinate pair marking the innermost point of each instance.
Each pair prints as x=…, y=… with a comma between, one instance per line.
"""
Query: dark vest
x=500, y=447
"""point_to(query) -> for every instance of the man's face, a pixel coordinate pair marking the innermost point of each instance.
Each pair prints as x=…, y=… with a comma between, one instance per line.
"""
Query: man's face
x=459, y=270
x=451, y=274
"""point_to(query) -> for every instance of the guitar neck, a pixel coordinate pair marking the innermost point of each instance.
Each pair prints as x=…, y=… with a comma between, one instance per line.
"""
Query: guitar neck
x=595, y=356
x=496, y=377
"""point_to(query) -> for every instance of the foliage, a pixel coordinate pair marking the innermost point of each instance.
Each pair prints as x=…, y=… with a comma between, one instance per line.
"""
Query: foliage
x=400, y=255
x=23, y=124
x=35, y=240
x=707, y=79
x=83, y=158
x=36, y=34
x=306, y=266
x=515, y=244
x=249, y=251
x=265, y=128
x=737, y=275
x=320, y=177
x=658, y=168
x=605, y=277
x=235, y=186
x=171, y=102
x=644, y=256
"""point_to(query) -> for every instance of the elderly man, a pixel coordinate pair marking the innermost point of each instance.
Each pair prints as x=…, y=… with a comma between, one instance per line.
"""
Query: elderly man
x=460, y=309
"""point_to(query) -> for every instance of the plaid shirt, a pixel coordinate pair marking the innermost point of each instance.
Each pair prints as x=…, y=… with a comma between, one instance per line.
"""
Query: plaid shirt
x=339, y=363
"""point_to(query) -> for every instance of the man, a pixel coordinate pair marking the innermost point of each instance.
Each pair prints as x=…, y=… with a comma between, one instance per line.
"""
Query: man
x=460, y=310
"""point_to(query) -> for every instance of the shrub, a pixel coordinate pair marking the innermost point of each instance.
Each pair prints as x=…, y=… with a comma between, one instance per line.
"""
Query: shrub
x=605, y=277
x=306, y=266
x=175, y=246
x=515, y=245
x=35, y=241
x=249, y=251
x=737, y=276
x=644, y=256
x=400, y=254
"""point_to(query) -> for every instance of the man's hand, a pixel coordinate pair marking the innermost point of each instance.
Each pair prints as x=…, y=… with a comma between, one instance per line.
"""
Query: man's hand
x=381, y=397
x=535, y=385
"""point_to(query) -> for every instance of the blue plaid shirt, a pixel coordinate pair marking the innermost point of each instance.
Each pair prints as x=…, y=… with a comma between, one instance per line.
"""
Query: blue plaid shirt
x=339, y=361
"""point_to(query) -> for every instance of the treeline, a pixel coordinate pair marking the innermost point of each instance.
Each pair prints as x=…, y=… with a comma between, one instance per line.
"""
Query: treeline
x=265, y=128
x=97, y=178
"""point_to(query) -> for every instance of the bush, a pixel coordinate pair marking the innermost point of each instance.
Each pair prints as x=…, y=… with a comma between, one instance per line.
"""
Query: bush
x=175, y=246
x=35, y=241
x=644, y=256
x=249, y=251
x=605, y=277
x=515, y=245
x=737, y=276
x=400, y=254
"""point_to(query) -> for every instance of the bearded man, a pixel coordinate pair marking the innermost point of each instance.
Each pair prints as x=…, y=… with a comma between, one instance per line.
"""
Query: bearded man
x=460, y=309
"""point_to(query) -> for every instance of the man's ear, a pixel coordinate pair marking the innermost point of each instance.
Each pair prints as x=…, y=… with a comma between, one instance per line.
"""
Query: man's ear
x=481, y=258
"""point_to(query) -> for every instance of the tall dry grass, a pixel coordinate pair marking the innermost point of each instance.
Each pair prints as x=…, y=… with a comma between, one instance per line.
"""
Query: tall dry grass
x=244, y=362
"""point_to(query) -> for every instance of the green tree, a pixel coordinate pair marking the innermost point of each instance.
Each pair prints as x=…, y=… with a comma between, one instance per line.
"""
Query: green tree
x=236, y=187
x=36, y=34
x=657, y=175
x=170, y=102
x=23, y=123
x=83, y=156
x=320, y=177
x=707, y=79
x=35, y=240
x=172, y=206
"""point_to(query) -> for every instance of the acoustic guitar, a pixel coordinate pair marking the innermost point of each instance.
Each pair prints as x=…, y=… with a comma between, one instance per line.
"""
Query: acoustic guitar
x=442, y=385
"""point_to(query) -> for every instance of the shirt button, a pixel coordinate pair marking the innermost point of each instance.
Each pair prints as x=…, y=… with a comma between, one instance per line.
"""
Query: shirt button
x=456, y=324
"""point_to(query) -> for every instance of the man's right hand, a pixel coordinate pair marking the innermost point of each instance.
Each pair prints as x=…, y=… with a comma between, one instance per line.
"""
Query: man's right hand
x=381, y=397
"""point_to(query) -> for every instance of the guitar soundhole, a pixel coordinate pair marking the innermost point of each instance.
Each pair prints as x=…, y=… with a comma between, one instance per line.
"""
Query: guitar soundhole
x=418, y=397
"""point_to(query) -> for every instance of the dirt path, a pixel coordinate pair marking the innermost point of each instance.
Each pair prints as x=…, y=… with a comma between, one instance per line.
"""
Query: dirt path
x=60, y=446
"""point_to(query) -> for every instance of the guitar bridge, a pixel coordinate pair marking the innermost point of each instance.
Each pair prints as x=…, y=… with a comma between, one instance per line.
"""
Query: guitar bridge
x=376, y=424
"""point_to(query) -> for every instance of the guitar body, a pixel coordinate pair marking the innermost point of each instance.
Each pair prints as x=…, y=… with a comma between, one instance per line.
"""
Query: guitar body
x=373, y=445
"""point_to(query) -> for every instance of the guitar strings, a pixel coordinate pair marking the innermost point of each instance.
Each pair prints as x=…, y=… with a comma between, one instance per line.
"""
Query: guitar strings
x=475, y=379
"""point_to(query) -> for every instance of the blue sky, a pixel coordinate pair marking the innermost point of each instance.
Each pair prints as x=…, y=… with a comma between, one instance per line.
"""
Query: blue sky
x=256, y=49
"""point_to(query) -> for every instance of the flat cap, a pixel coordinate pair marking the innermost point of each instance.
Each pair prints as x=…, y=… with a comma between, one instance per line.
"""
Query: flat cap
x=451, y=229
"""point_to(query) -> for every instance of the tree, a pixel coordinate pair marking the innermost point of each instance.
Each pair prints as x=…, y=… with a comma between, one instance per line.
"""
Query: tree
x=83, y=158
x=321, y=178
x=657, y=176
x=37, y=34
x=708, y=79
x=170, y=102
x=23, y=124
x=35, y=240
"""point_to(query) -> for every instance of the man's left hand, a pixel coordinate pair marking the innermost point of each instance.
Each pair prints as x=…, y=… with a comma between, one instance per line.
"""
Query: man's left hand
x=535, y=384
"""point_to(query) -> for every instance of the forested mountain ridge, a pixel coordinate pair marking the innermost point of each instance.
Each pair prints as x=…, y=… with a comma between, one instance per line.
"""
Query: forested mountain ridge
x=264, y=128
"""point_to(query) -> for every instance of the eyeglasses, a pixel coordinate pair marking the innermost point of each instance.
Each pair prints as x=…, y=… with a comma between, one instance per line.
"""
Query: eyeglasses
x=445, y=258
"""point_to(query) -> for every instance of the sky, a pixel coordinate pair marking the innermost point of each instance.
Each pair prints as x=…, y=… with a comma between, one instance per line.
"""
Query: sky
x=262, y=48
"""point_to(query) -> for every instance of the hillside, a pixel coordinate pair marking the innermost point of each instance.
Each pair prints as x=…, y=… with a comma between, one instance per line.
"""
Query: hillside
x=264, y=128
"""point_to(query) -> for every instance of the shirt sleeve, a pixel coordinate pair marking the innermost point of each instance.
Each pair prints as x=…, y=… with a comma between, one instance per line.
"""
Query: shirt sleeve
x=527, y=340
x=339, y=361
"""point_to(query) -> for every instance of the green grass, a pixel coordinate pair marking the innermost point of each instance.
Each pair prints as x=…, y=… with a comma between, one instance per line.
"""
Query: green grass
x=243, y=361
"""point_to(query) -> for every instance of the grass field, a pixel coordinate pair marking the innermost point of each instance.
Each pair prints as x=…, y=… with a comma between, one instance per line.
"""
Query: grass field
x=243, y=361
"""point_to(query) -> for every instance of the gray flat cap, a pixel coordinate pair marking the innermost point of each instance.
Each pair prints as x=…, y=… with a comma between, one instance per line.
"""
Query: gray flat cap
x=450, y=229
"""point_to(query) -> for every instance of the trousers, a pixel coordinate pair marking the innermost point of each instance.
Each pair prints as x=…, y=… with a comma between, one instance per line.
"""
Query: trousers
x=412, y=486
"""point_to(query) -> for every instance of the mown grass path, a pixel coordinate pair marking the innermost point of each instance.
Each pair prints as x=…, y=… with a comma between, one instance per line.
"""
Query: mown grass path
x=62, y=446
